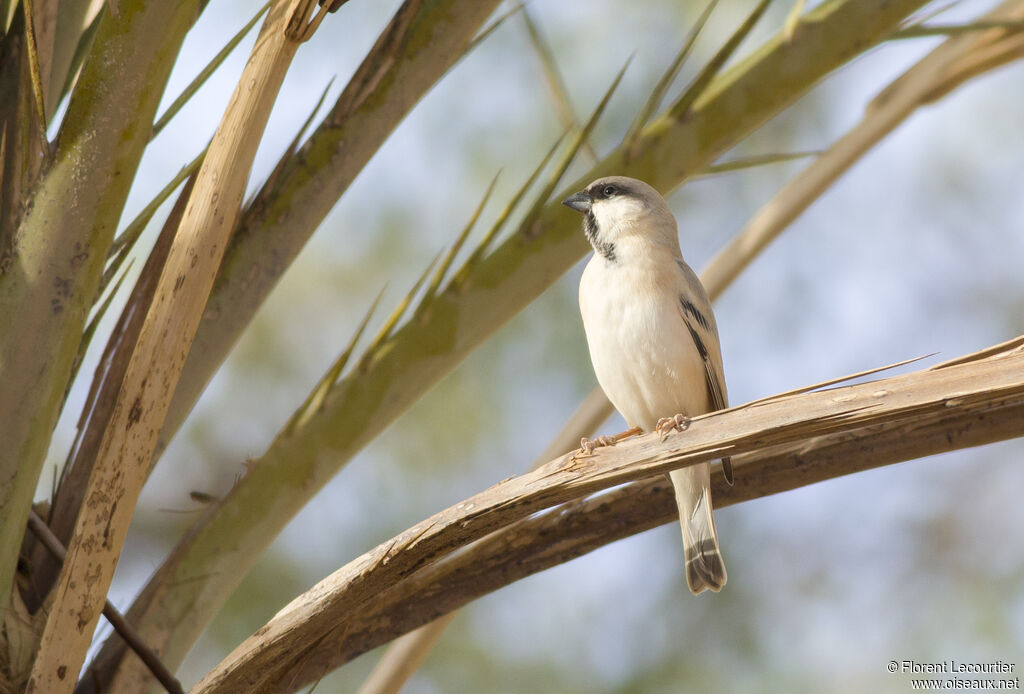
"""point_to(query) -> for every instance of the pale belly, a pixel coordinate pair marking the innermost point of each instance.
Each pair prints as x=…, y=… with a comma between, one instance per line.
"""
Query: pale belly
x=642, y=352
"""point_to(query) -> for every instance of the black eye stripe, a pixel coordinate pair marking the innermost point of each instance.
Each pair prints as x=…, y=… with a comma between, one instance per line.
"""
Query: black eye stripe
x=606, y=191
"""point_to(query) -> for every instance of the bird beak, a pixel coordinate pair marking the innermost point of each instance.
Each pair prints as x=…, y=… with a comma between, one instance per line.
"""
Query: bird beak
x=580, y=202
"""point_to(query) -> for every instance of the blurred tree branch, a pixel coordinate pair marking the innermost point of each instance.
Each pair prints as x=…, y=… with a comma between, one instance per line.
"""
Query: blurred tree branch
x=778, y=443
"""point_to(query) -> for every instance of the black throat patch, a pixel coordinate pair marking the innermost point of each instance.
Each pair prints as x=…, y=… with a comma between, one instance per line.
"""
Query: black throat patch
x=605, y=249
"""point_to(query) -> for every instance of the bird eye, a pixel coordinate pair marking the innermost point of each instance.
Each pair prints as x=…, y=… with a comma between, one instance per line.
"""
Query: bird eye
x=608, y=191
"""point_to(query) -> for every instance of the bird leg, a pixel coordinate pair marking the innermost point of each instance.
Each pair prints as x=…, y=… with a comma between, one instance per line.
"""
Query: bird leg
x=679, y=422
x=588, y=445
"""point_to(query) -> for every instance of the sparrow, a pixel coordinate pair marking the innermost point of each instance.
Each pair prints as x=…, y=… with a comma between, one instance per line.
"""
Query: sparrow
x=653, y=343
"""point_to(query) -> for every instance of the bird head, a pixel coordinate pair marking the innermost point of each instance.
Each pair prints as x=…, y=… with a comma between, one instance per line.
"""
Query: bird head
x=621, y=211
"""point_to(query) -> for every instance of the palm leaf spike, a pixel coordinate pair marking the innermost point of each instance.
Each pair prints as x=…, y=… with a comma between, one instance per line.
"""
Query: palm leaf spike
x=294, y=144
x=205, y=73
x=126, y=240
x=556, y=85
x=316, y=397
x=462, y=274
x=286, y=156
x=490, y=28
x=578, y=139
x=484, y=34
x=666, y=80
x=442, y=269
x=35, y=74
x=90, y=329
x=920, y=30
x=7, y=10
x=81, y=51
x=396, y=315
x=927, y=14
x=741, y=163
x=714, y=66
x=793, y=19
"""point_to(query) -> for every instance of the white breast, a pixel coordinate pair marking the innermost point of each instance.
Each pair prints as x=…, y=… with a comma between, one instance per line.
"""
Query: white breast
x=643, y=355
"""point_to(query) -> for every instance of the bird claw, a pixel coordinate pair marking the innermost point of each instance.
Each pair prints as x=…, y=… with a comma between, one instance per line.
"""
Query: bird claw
x=679, y=422
x=588, y=445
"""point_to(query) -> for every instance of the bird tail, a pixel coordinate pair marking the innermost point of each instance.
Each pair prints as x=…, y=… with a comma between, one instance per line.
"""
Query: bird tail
x=704, y=566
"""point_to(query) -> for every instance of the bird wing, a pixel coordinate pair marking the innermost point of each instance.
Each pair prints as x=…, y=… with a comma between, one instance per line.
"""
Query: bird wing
x=702, y=328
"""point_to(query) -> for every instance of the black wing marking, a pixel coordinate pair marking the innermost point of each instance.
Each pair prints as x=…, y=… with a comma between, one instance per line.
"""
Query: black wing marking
x=691, y=314
x=690, y=310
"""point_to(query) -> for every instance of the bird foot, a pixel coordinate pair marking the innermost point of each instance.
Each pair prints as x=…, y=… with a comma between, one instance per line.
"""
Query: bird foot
x=587, y=446
x=679, y=422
